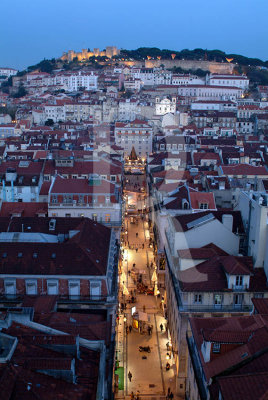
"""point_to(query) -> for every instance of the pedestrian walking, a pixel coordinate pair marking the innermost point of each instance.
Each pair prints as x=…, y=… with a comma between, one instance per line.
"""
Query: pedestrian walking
x=167, y=344
x=127, y=330
x=129, y=376
x=137, y=234
x=171, y=396
x=136, y=250
x=143, y=308
x=130, y=328
x=161, y=327
x=168, y=393
x=143, y=245
x=138, y=395
x=149, y=331
x=132, y=396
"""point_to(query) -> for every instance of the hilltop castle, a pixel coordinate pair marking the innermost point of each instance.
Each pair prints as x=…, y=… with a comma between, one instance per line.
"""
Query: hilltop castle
x=109, y=52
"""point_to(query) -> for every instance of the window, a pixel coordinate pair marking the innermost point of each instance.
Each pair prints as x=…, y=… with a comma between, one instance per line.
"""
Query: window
x=258, y=295
x=94, y=217
x=54, y=198
x=10, y=287
x=238, y=280
x=52, y=286
x=95, y=290
x=107, y=218
x=203, y=206
x=217, y=300
x=216, y=348
x=198, y=298
x=74, y=288
x=31, y=287
x=238, y=299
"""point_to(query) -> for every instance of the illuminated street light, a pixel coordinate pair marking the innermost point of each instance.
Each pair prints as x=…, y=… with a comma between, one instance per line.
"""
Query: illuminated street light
x=154, y=277
x=123, y=277
x=125, y=291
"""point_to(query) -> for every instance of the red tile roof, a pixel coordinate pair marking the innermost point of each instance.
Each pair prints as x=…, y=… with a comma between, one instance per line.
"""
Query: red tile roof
x=233, y=266
x=88, y=249
x=196, y=198
x=202, y=253
x=243, y=169
x=77, y=186
x=209, y=276
x=26, y=209
x=261, y=305
x=234, y=358
x=242, y=387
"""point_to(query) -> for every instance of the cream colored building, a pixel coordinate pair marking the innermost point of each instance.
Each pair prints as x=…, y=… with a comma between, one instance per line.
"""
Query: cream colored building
x=165, y=105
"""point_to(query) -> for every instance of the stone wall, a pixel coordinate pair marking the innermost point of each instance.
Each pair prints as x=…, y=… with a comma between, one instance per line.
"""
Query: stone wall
x=212, y=66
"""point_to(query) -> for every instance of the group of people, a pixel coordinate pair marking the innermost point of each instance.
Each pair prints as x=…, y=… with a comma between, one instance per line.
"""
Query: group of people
x=128, y=329
x=135, y=397
x=170, y=395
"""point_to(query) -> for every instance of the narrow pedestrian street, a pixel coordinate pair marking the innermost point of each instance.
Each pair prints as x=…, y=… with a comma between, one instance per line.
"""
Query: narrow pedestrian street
x=140, y=320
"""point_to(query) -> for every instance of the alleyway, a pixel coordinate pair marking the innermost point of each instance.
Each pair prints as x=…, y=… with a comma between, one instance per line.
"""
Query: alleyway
x=149, y=376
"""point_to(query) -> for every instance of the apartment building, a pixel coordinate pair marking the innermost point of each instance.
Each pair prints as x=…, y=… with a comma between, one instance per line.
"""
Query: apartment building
x=240, y=81
x=227, y=358
x=94, y=198
x=137, y=134
x=210, y=92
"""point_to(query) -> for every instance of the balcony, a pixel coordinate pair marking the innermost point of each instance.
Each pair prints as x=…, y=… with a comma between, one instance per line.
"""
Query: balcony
x=202, y=308
x=239, y=288
x=18, y=298
x=84, y=205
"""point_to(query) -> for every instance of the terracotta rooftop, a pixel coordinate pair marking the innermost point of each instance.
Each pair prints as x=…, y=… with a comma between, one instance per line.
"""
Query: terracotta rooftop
x=25, y=209
x=234, y=358
x=241, y=387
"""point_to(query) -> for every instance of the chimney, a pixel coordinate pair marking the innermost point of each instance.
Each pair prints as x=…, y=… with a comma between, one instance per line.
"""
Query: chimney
x=227, y=220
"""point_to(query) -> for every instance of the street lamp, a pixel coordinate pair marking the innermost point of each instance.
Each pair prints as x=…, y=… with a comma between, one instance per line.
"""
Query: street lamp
x=123, y=277
x=154, y=276
x=125, y=291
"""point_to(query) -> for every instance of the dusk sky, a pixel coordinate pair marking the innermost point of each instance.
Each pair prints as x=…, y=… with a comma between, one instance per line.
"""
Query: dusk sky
x=32, y=30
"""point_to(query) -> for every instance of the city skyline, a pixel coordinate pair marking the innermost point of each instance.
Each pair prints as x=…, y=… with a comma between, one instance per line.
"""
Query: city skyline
x=180, y=25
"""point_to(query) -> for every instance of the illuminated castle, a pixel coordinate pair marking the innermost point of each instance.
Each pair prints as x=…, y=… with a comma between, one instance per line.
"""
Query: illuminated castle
x=109, y=52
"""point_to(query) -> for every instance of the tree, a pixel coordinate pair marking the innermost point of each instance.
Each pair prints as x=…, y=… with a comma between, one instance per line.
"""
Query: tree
x=11, y=110
x=127, y=94
x=21, y=92
x=49, y=122
x=6, y=85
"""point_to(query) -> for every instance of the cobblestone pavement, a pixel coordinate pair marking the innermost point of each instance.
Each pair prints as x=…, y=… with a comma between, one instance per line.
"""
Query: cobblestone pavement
x=149, y=375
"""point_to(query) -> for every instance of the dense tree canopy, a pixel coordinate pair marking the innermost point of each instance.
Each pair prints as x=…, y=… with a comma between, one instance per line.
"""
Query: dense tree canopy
x=197, y=54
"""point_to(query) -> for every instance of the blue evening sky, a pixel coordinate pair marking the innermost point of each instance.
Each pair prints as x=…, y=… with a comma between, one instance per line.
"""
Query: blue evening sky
x=31, y=30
